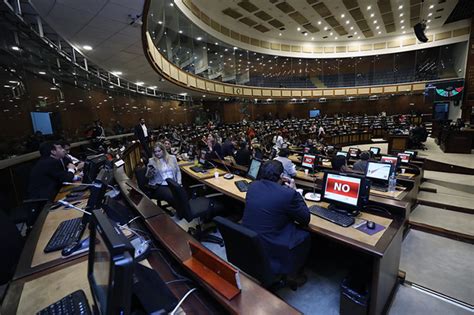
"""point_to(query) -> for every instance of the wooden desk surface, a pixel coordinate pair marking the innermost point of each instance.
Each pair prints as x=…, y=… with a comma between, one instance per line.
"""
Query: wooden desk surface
x=397, y=194
x=199, y=176
x=227, y=186
x=183, y=162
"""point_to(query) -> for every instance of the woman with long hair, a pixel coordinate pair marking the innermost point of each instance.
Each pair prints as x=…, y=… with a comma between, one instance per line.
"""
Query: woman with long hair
x=161, y=167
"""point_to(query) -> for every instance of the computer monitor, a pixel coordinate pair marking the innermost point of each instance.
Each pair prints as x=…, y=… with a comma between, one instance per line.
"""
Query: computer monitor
x=404, y=157
x=343, y=153
x=308, y=161
x=254, y=168
x=379, y=172
x=354, y=152
x=92, y=166
x=412, y=153
x=97, y=191
x=110, y=266
x=347, y=192
x=375, y=150
x=202, y=157
x=394, y=160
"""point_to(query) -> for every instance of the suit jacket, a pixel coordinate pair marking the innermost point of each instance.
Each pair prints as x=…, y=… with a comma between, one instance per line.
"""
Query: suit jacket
x=242, y=157
x=46, y=178
x=271, y=210
x=138, y=130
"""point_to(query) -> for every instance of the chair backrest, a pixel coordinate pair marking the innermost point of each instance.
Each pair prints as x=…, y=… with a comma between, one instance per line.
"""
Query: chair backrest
x=181, y=200
x=142, y=181
x=11, y=245
x=244, y=249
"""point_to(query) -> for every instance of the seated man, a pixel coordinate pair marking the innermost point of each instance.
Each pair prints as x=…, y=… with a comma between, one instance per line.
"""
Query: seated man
x=48, y=174
x=288, y=166
x=361, y=165
x=243, y=155
x=271, y=210
x=339, y=163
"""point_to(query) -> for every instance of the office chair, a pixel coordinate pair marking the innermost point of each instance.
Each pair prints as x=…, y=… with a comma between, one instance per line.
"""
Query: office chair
x=203, y=208
x=142, y=182
x=11, y=245
x=27, y=213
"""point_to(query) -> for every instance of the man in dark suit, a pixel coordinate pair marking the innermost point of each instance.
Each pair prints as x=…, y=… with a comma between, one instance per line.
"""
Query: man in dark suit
x=142, y=134
x=49, y=173
x=271, y=210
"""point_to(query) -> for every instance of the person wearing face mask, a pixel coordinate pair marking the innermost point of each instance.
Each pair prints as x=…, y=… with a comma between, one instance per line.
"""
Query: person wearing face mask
x=49, y=173
x=161, y=167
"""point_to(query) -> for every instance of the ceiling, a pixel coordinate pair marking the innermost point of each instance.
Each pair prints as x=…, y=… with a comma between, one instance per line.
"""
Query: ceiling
x=324, y=20
x=105, y=26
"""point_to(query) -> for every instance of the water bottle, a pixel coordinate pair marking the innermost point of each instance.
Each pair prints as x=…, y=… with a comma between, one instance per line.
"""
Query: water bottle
x=392, y=182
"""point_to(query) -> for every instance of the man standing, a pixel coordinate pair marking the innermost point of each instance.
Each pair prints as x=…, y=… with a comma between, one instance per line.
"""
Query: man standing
x=271, y=210
x=141, y=132
x=48, y=174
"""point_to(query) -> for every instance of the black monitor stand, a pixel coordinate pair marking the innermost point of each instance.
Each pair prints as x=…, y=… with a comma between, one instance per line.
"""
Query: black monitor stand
x=346, y=211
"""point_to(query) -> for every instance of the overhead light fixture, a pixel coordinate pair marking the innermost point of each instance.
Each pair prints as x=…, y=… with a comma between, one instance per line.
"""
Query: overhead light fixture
x=180, y=31
x=355, y=33
x=432, y=6
x=171, y=4
x=402, y=21
x=372, y=14
x=403, y=26
x=430, y=14
x=312, y=38
x=111, y=86
x=375, y=22
x=154, y=87
x=352, y=27
x=347, y=22
x=16, y=48
x=160, y=22
x=87, y=47
x=199, y=38
x=343, y=15
x=325, y=28
x=298, y=29
x=13, y=82
x=401, y=14
x=330, y=33
x=319, y=22
x=380, y=32
x=140, y=83
x=42, y=72
x=358, y=37
x=279, y=34
x=369, y=7
x=377, y=27
x=400, y=7
x=204, y=95
x=116, y=73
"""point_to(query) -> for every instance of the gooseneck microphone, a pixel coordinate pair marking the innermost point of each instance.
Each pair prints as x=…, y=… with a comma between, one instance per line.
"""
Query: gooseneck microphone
x=229, y=174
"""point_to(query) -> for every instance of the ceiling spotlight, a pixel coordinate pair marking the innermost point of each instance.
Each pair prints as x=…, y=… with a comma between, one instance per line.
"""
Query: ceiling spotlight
x=319, y=22
x=116, y=73
x=369, y=7
x=171, y=4
x=372, y=14
x=402, y=21
x=400, y=7
x=16, y=48
x=380, y=32
x=432, y=6
x=154, y=87
x=403, y=26
x=430, y=14
x=204, y=95
x=140, y=83
x=330, y=33
x=343, y=15
x=87, y=47
x=347, y=22
x=312, y=38
x=375, y=22
x=42, y=72
x=180, y=31
x=199, y=38
x=358, y=37
x=305, y=33
x=428, y=21
x=279, y=34
x=298, y=29
x=352, y=27
x=404, y=32
x=325, y=28
x=336, y=37
x=355, y=33
x=160, y=22
x=401, y=14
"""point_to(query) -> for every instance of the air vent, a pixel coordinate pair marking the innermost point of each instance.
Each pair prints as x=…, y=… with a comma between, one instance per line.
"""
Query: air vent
x=390, y=28
x=437, y=17
x=263, y=15
x=299, y=18
x=285, y=7
x=332, y=21
x=261, y=28
x=310, y=27
x=232, y=13
x=322, y=9
x=357, y=14
x=439, y=10
x=248, y=6
x=325, y=37
x=350, y=4
x=384, y=7
x=248, y=21
x=415, y=11
x=311, y=2
x=275, y=23
x=340, y=30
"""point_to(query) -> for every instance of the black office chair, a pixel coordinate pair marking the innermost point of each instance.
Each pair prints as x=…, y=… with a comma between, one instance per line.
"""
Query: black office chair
x=27, y=213
x=11, y=245
x=244, y=249
x=203, y=208
x=142, y=181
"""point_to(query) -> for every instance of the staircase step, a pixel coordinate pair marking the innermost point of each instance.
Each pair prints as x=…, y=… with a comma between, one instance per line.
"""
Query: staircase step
x=446, y=201
x=452, y=224
x=443, y=187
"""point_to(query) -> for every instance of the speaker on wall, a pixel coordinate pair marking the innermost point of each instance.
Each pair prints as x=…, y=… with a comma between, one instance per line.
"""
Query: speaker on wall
x=420, y=32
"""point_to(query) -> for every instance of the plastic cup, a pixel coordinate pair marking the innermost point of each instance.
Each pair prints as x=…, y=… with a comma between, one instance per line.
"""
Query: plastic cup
x=216, y=174
x=403, y=171
x=306, y=171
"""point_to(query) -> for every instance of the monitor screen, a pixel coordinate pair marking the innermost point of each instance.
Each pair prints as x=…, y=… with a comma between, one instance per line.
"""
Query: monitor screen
x=343, y=153
x=404, y=157
x=314, y=113
x=101, y=272
x=342, y=189
x=308, y=161
x=42, y=122
x=354, y=152
x=375, y=150
x=389, y=159
x=306, y=149
x=380, y=171
x=254, y=168
x=202, y=157
x=412, y=153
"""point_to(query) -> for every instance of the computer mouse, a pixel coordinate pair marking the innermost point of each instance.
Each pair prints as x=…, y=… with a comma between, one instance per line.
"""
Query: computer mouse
x=370, y=225
x=229, y=176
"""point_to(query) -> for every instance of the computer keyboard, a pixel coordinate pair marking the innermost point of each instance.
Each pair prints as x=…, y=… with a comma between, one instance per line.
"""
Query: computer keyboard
x=73, y=304
x=68, y=231
x=333, y=216
x=242, y=185
x=197, y=169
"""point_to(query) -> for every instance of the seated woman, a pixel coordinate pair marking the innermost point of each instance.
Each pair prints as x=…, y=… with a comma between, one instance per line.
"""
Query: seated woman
x=160, y=167
x=339, y=163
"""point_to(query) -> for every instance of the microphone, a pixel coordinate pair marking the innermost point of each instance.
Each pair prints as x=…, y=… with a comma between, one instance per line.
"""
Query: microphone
x=65, y=203
x=229, y=174
x=79, y=184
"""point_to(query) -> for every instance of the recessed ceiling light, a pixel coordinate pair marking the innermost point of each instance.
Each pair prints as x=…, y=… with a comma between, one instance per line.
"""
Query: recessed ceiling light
x=330, y=33
x=171, y=4
x=430, y=14
x=319, y=22
x=204, y=95
x=312, y=38
x=42, y=72
x=404, y=32
x=199, y=38
x=372, y=14
x=160, y=22
x=111, y=86
x=402, y=21
x=336, y=37
x=235, y=48
x=352, y=27
x=401, y=14
x=154, y=87
x=325, y=28
x=347, y=22
x=305, y=33
x=140, y=83
x=87, y=47
x=432, y=6
x=428, y=21
x=375, y=22
x=279, y=34
x=358, y=37
x=355, y=33
x=380, y=32
x=403, y=26
x=180, y=31
x=400, y=7
x=343, y=15
x=298, y=29
x=377, y=27
x=369, y=7
x=15, y=48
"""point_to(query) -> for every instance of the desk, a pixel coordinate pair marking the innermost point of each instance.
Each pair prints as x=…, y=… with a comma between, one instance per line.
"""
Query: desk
x=208, y=174
x=397, y=143
x=457, y=141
